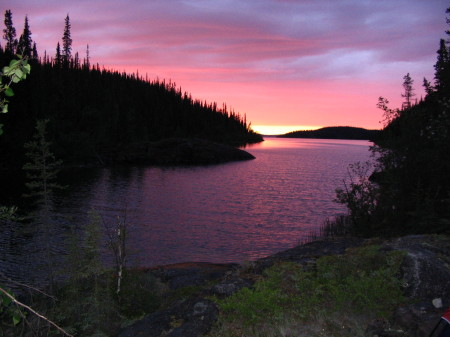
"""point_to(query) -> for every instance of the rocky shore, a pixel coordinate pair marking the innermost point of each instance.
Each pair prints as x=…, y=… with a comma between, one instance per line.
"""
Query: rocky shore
x=425, y=275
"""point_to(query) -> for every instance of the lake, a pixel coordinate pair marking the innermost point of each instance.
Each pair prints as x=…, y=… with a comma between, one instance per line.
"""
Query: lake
x=220, y=213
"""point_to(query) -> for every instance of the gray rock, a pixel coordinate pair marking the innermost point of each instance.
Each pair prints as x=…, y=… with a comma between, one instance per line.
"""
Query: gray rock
x=191, y=318
x=426, y=276
x=229, y=287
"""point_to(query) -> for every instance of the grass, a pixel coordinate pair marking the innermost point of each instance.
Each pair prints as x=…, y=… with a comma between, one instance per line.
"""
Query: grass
x=339, y=297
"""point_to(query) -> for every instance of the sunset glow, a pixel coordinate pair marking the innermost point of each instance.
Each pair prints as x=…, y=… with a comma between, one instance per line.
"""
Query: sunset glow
x=283, y=64
x=281, y=129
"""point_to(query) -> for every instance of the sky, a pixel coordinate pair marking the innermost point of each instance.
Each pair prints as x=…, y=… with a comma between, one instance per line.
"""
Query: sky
x=286, y=64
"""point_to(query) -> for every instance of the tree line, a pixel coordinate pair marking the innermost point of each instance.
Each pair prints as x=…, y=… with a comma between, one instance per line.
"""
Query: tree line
x=92, y=110
x=409, y=190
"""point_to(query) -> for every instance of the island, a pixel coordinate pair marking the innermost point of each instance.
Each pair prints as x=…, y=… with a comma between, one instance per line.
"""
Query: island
x=335, y=132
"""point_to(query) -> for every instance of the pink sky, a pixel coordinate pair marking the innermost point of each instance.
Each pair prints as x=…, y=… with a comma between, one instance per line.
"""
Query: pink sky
x=291, y=63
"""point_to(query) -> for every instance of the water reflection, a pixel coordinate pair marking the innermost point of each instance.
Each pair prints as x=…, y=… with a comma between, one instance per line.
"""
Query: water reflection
x=219, y=213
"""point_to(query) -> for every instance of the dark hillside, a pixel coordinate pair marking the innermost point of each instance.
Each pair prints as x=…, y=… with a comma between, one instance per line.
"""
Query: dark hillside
x=92, y=111
x=335, y=132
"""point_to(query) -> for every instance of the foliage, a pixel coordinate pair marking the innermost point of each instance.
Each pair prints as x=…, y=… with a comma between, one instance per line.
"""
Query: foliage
x=86, y=306
x=9, y=33
x=42, y=169
x=139, y=294
x=409, y=192
x=10, y=313
x=363, y=282
x=360, y=197
x=16, y=71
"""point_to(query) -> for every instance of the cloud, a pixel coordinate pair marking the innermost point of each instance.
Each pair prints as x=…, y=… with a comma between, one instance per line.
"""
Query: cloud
x=279, y=43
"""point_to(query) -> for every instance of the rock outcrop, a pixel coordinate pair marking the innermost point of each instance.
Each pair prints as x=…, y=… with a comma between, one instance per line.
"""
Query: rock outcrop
x=425, y=273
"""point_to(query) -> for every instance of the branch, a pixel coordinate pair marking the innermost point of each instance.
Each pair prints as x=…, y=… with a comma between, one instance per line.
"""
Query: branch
x=34, y=312
x=26, y=286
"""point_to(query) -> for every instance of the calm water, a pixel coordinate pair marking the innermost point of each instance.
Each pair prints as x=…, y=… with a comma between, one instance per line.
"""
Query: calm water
x=221, y=213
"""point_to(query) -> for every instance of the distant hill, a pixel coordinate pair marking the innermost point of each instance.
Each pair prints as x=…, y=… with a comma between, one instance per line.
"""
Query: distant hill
x=335, y=132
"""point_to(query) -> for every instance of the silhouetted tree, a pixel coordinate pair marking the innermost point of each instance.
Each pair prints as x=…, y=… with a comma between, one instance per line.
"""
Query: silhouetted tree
x=87, y=62
x=58, y=56
x=442, y=67
x=34, y=52
x=9, y=33
x=25, y=46
x=66, y=43
x=409, y=91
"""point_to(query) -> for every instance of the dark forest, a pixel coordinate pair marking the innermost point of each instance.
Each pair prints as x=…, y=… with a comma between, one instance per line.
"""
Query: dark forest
x=92, y=110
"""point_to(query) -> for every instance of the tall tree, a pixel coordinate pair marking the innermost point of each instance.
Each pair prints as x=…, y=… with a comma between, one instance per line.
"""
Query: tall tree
x=34, y=53
x=442, y=67
x=87, y=62
x=408, y=94
x=25, y=46
x=66, y=43
x=9, y=33
x=58, y=57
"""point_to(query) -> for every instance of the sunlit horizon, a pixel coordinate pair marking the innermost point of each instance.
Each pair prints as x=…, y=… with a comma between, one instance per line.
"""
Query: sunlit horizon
x=272, y=130
x=272, y=61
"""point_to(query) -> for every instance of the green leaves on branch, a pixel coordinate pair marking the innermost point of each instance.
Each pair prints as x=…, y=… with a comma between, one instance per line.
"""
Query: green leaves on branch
x=16, y=71
x=10, y=313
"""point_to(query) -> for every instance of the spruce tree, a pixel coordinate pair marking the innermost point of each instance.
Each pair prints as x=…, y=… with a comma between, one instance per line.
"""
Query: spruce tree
x=42, y=169
x=408, y=94
x=9, y=33
x=67, y=43
x=25, y=46
x=34, y=53
x=58, y=57
x=442, y=67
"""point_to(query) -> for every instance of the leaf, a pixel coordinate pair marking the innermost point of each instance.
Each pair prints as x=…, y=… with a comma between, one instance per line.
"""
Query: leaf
x=13, y=63
x=9, y=92
x=27, y=68
x=16, y=319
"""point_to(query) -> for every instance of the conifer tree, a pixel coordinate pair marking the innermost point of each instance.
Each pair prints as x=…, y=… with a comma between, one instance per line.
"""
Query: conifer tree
x=42, y=170
x=67, y=43
x=25, y=46
x=58, y=57
x=442, y=67
x=34, y=53
x=409, y=91
x=9, y=33
x=87, y=62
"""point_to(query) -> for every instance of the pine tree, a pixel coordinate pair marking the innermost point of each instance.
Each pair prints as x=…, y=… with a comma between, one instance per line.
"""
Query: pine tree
x=67, y=43
x=409, y=91
x=58, y=57
x=9, y=33
x=87, y=62
x=442, y=67
x=25, y=42
x=34, y=53
x=42, y=170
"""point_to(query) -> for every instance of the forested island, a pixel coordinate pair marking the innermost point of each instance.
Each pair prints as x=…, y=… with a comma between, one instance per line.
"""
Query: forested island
x=92, y=111
x=334, y=132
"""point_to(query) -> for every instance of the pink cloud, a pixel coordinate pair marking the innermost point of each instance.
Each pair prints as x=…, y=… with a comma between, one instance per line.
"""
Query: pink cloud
x=301, y=62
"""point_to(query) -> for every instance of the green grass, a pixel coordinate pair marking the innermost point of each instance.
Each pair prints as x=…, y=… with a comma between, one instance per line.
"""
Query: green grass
x=337, y=298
